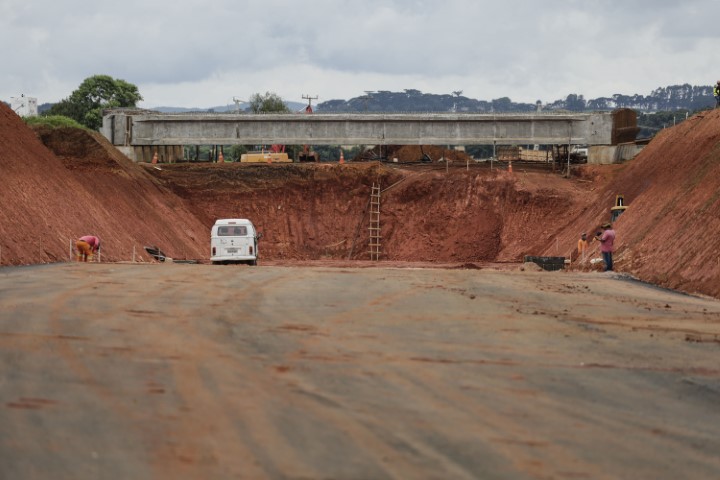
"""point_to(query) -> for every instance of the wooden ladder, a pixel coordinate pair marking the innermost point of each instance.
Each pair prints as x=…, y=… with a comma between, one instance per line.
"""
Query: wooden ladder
x=375, y=222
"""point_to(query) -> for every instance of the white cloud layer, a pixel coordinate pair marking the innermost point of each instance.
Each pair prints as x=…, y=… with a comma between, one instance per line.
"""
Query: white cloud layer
x=192, y=53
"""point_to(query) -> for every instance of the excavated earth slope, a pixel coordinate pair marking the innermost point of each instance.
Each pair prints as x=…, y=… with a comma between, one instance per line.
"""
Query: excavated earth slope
x=321, y=211
x=85, y=187
x=668, y=235
x=80, y=184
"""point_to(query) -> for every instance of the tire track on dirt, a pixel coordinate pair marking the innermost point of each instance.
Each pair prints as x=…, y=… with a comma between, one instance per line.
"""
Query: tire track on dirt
x=204, y=438
x=370, y=431
x=262, y=427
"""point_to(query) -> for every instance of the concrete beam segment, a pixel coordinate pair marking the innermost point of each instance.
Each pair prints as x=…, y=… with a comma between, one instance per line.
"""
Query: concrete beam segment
x=144, y=128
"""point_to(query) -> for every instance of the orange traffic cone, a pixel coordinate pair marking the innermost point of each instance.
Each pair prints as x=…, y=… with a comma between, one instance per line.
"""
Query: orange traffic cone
x=510, y=167
x=155, y=158
x=342, y=157
x=221, y=159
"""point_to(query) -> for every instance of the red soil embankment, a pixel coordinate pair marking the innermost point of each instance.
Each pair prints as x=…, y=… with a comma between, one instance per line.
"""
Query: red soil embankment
x=668, y=235
x=86, y=187
x=83, y=185
x=321, y=211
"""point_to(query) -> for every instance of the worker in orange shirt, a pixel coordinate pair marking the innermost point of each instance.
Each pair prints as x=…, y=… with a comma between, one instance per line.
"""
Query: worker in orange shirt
x=87, y=246
x=582, y=246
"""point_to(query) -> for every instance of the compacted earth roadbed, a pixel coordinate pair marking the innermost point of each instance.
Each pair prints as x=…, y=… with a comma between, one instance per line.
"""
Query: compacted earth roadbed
x=195, y=371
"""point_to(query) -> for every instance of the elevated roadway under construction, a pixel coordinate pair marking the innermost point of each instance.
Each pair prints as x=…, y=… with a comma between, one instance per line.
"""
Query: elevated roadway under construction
x=140, y=133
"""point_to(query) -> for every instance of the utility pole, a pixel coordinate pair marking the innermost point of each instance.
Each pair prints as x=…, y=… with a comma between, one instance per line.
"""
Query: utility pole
x=456, y=94
x=237, y=103
x=309, y=99
x=366, y=97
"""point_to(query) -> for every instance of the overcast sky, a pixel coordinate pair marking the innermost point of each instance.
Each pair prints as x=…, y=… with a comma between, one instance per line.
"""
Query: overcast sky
x=202, y=53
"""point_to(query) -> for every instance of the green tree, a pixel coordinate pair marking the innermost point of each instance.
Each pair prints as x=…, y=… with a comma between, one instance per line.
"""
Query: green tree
x=96, y=93
x=236, y=152
x=268, y=103
x=651, y=123
x=503, y=104
x=52, y=121
x=479, y=151
x=575, y=103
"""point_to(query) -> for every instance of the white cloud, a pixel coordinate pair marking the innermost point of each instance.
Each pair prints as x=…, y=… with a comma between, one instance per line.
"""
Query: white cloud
x=199, y=54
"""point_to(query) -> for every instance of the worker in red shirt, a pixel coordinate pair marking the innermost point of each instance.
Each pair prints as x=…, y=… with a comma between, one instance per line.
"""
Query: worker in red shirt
x=87, y=246
x=607, y=245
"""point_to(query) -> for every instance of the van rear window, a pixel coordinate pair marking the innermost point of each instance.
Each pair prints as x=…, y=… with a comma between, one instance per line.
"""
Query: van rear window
x=232, y=231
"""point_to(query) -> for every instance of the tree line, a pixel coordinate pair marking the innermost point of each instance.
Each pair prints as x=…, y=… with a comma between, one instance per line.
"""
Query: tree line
x=664, y=107
x=675, y=97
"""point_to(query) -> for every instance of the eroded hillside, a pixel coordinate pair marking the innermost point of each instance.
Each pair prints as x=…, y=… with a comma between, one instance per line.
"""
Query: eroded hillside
x=83, y=186
x=80, y=184
x=668, y=235
x=428, y=215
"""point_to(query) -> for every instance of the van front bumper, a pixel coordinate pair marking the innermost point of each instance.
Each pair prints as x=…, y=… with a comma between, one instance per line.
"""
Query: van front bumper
x=233, y=258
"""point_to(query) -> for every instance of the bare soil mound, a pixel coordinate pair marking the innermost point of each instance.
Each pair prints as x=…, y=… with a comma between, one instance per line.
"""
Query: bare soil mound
x=50, y=199
x=455, y=215
x=668, y=234
x=321, y=211
x=416, y=153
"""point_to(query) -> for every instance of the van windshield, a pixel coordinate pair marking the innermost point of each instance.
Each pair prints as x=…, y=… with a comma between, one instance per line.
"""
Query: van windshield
x=232, y=231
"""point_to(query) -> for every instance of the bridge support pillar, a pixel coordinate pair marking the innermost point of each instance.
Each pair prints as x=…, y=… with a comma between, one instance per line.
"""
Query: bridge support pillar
x=144, y=153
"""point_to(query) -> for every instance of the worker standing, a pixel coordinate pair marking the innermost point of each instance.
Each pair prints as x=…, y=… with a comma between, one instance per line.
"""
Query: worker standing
x=716, y=92
x=582, y=246
x=87, y=246
x=607, y=245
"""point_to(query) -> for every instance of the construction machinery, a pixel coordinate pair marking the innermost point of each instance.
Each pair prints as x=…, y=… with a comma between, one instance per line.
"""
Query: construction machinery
x=619, y=207
x=307, y=154
x=572, y=153
x=579, y=154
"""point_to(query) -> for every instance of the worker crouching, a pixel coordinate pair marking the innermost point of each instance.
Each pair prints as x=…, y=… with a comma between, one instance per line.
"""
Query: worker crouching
x=87, y=246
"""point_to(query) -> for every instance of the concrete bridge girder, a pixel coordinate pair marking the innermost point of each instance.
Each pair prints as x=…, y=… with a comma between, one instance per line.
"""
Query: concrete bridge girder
x=134, y=129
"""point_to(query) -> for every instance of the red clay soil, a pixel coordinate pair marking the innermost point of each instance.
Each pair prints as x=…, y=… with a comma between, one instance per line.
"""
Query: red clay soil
x=321, y=211
x=416, y=153
x=82, y=185
x=668, y=235
x=86, y=187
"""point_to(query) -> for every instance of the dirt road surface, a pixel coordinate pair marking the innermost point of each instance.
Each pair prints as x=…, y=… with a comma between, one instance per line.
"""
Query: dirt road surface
x=195, y=371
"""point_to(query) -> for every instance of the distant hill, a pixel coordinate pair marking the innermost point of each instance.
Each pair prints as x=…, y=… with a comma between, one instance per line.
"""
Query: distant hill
x=676, y=97
x=293, y=106
x=663, y=99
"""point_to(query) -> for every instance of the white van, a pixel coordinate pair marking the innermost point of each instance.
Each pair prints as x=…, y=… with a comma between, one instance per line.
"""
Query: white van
x=234, y=240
